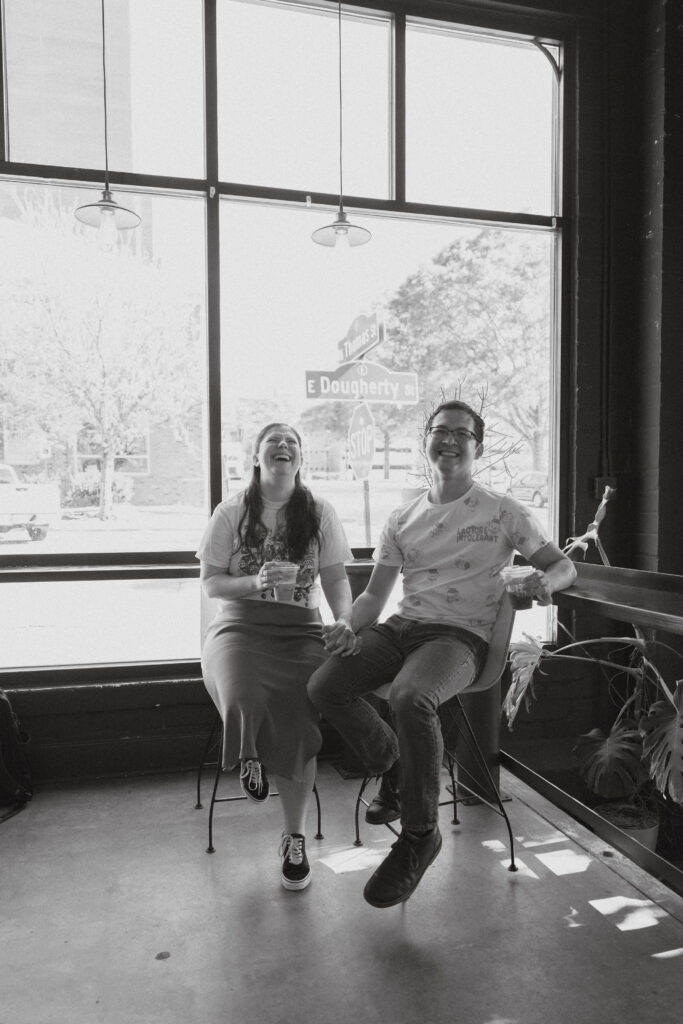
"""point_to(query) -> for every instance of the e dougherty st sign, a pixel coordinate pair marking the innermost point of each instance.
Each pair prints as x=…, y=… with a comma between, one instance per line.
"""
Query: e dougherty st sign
x=361, y=381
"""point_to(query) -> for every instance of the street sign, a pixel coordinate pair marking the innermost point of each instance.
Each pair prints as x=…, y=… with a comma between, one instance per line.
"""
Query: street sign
x=361, y=440
x=361, y=381
x=364, y=334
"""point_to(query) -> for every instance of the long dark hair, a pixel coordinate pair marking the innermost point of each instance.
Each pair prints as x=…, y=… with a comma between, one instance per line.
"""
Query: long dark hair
x=302, y=519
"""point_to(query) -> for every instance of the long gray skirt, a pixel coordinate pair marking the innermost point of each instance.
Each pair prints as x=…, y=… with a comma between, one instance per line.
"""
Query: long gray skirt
x=256, y=661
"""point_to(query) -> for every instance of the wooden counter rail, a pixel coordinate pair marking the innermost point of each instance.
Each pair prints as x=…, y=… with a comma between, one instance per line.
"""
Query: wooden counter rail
x=653, y=599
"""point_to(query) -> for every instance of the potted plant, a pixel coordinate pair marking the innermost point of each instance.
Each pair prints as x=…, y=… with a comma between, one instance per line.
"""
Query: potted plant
x=612, y=768
x=639, y=761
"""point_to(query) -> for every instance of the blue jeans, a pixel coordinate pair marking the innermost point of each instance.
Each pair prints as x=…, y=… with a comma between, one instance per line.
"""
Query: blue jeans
x=426, y=664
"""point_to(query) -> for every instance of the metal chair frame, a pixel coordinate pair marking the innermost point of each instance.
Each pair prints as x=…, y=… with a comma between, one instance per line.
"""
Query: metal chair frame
x=453, y=710
x=215, y=799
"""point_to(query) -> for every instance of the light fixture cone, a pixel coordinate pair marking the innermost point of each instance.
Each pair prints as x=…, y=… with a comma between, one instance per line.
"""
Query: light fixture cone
x=91, y=213
x=341, y=231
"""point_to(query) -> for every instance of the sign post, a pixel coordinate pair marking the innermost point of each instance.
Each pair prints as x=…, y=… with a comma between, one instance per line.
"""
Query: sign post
x=361, y=441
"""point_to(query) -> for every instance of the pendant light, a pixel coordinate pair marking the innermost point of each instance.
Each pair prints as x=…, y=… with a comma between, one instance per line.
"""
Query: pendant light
x=107, y=214
x=341, y=232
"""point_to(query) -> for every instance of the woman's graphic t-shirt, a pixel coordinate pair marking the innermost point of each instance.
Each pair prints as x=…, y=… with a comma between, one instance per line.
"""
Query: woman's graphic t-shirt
x=222, y=546
x=451, y=555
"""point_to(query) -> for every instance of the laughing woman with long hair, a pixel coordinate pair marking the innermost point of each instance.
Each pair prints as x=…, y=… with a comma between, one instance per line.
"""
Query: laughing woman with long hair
x=265, y=640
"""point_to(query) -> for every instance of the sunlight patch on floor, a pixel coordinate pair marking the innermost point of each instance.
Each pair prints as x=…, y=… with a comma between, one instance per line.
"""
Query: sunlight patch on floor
x=494, y=844
x=353, y=858
x=668, y=954
x=565, y=862
x=635, y=914
x=571, y=917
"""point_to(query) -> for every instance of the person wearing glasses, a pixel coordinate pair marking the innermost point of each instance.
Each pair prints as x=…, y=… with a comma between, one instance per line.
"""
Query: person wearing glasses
x=265, y=555
x=450, y=543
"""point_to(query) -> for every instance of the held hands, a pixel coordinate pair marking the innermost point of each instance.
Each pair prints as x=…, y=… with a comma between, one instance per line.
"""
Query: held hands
x=339, y=638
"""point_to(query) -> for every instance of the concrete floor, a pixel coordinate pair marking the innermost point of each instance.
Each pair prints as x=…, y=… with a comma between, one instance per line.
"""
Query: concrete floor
x=113, y=913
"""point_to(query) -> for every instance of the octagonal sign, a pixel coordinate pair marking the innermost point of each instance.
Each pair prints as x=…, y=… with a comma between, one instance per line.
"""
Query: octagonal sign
x=361, y=440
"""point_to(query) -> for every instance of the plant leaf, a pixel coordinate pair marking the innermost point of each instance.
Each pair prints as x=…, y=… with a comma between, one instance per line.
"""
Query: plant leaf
x=611, y=765
x=524, y=659
x=662, y=730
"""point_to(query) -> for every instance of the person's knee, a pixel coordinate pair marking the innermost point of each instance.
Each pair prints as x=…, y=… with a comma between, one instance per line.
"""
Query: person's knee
x=407, y=699
x=326, y=684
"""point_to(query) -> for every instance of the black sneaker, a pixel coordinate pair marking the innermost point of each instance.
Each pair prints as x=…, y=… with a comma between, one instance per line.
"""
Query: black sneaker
x=398, y=875
x=254, y=781
x=296, y=871
x=385, y=807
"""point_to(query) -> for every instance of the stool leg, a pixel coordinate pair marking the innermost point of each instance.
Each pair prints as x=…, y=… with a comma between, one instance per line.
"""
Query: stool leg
x=359, y=798
x=449, y=765
x=219, y=768
x=319, y=834
x=494, y=788
x=198, y=805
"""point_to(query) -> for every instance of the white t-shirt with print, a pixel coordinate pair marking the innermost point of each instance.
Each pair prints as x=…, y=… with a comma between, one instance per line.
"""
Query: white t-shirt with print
x=221, y=546
x=451, y=555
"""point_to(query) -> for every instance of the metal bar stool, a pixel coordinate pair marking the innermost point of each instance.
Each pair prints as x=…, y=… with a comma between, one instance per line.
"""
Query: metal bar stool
x=217, y=744
x=455, y=723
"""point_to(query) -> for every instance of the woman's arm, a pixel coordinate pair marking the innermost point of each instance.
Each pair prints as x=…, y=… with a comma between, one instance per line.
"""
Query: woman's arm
x=338, y=635
x=216, y=583
x=337, y=591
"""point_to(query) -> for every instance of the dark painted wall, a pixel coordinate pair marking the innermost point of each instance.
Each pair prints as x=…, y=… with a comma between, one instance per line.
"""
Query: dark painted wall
x=644, y=310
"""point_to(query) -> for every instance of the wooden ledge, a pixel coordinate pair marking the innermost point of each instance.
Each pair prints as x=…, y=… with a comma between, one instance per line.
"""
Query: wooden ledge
x=652, y=599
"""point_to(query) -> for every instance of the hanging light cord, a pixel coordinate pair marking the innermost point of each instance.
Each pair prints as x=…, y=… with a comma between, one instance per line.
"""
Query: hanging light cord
x=104, y=83
x=341, y=230
x=341, y=135
x=93, y=214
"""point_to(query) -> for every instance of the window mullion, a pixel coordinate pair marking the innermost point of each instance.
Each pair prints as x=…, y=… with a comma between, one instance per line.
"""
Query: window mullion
x=213, y=293
x=399, y=109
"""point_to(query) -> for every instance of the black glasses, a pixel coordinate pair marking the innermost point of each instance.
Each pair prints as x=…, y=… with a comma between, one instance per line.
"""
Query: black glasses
x=459, y=434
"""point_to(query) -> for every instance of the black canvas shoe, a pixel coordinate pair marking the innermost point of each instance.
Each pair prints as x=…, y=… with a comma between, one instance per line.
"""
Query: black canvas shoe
x=254, y=781
x=398, y=875
x=385, y=807
x=296, y=871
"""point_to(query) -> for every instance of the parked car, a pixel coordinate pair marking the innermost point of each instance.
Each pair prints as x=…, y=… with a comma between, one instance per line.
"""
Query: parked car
x=530, y=487
x=22, y=504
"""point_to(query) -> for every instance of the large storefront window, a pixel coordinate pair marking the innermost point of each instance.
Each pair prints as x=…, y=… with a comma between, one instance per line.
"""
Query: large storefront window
x=283, y=57
x=134, y=375
x=103, y=371
x=489, y=142
x=155, y=97
x=452, y=310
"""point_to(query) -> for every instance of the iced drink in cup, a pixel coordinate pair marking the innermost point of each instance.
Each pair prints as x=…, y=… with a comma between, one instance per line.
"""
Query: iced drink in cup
x=284, y=588
x=514, y=577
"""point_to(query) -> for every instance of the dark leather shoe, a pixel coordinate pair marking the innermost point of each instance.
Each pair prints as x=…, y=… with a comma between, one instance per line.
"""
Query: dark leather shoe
x=386, y=806
x=383, y=809
x=398, y=875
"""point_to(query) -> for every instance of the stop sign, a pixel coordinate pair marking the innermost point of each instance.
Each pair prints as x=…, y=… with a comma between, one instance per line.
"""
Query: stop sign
x=361, y=441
